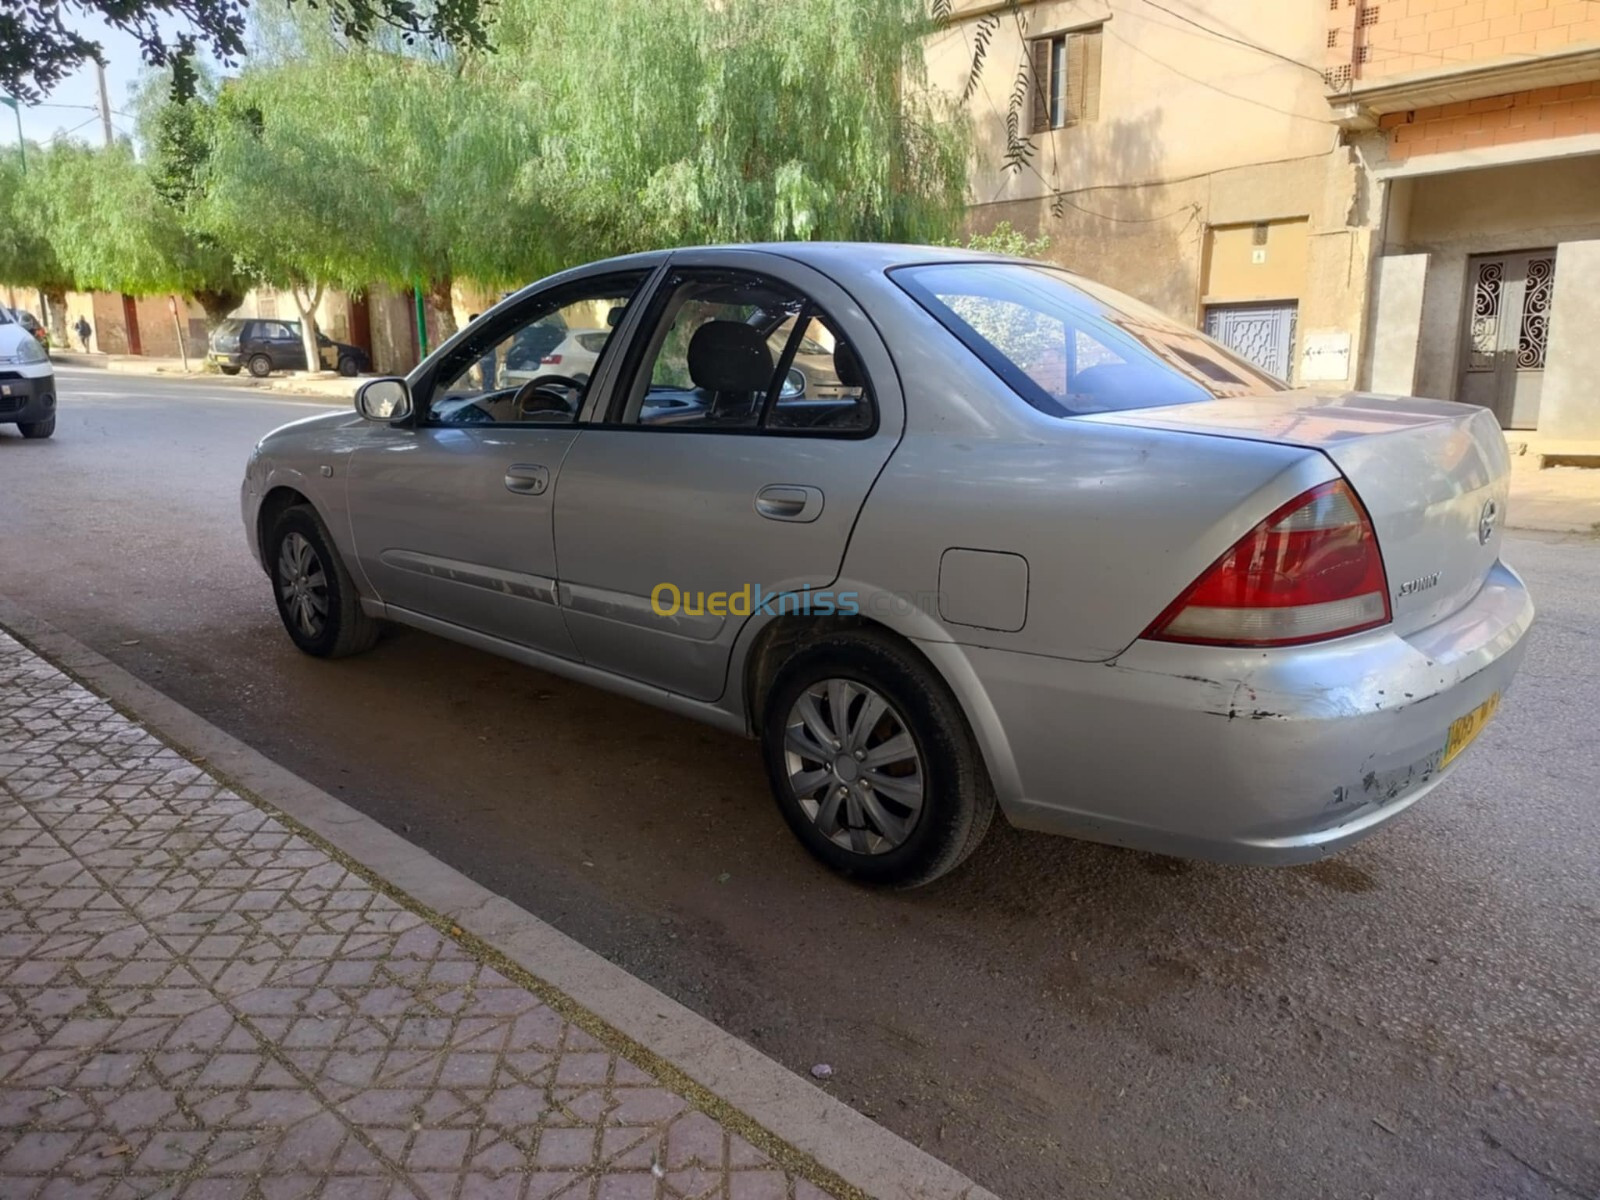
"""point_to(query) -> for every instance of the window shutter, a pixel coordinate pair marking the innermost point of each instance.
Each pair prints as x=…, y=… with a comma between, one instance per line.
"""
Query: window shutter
x=1091, y=75
x=1075, y=80
x=1041, y=85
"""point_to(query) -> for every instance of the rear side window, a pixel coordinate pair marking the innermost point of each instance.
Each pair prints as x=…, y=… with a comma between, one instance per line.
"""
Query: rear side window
x=1069, y=347
x=734, y=352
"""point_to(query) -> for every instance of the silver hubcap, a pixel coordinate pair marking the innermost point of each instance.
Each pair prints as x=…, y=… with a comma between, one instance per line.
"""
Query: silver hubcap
x=853, y=766
x=303, y=585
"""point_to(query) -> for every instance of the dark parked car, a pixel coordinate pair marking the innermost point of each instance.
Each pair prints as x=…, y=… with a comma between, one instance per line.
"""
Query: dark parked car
x=31, y=323
x=263, y=345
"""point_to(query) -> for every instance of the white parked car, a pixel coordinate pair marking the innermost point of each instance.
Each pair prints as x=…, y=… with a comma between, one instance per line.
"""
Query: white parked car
x=27, y=382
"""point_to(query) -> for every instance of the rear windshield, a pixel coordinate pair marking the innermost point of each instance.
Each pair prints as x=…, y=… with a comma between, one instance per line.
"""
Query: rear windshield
x=232, y=326
x=1070, y=347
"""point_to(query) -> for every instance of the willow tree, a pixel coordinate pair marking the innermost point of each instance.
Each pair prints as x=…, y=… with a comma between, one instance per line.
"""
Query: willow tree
x=665, y=122
x=284, y=199
x=176, y=136
x=27, y=257
x=391, y=167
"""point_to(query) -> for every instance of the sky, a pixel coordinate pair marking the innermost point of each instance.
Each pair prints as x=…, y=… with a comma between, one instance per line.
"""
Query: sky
x=73, y=109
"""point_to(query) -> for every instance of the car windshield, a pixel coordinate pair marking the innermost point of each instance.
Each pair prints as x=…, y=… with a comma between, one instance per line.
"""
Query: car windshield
x=1071, y=347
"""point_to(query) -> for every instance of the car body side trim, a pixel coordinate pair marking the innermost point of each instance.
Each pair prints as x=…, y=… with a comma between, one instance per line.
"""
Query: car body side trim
x=640, y=611
x=494, y=579
x=697, y=710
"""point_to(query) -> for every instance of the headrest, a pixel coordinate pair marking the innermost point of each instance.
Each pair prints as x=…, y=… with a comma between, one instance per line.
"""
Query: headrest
x=848, y=367
x=729, y=356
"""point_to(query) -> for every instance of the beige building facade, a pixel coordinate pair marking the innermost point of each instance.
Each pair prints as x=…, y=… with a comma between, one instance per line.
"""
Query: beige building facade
x=1401, y=195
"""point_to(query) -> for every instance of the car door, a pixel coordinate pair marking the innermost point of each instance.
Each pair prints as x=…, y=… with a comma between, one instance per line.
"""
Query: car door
x=451, y=514
x=711, y=486
x=285, y=347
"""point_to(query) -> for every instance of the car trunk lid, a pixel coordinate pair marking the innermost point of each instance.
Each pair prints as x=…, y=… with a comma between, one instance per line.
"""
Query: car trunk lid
x=1432, y=475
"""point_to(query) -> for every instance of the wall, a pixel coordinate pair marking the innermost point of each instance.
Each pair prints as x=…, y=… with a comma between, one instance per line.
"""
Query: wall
x=1498, y=209
x=1404, y=37
x=1565, y=111
x=1258, y=261
x=1194, y=132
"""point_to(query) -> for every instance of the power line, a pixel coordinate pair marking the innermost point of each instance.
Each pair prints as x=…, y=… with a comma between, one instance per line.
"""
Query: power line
x=1238, y=41
x=1221, y=90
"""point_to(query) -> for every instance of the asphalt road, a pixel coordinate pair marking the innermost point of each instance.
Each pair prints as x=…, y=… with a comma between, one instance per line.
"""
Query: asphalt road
x=1418, y=1017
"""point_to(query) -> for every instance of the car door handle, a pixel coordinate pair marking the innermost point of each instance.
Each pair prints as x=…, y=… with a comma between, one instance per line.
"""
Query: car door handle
x=789, y=502
x=527, y=479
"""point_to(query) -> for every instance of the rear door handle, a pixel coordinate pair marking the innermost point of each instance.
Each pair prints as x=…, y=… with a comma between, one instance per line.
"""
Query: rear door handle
x=527, y=479
x=789, y=502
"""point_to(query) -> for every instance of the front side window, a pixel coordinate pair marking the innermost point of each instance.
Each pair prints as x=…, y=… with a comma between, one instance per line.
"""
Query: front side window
x=1071, y=347
x=533, y=366
x=732, y=351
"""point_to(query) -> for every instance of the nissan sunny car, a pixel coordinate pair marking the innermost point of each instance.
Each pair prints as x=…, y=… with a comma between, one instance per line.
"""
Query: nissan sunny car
x=1019, y=542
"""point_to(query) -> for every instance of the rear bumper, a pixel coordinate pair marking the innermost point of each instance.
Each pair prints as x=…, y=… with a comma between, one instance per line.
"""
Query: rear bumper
x=27, y=399
x=1270, y=757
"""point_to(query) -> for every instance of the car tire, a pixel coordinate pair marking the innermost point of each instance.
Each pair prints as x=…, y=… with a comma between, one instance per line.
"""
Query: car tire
x=317, y=600
x=229, y=370
x=260, y=366
x=348, y=367
x=37, y=429
x=876, y=836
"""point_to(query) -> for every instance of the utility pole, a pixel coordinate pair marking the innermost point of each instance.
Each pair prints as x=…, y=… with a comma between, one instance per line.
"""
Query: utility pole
x=105, y=105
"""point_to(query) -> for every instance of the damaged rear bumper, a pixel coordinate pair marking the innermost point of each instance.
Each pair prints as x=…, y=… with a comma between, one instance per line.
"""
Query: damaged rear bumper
x=1257, y=756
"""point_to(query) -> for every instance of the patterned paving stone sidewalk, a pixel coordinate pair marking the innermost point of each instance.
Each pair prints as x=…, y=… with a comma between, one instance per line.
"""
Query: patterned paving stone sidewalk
x=197, y=1002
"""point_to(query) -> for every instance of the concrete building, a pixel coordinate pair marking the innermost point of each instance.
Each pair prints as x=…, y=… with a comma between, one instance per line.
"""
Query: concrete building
x=1395, y=194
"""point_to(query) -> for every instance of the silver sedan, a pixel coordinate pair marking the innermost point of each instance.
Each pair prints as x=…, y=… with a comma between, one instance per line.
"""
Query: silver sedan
x=1032, y=545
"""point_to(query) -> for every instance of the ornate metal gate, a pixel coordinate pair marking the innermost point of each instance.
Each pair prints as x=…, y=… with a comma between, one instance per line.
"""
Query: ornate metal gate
x=1263, y=333
x=1506, y=328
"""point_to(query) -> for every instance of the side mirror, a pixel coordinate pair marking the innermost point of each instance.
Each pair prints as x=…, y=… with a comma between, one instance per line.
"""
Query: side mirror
x=384, y=400
x=794, y=384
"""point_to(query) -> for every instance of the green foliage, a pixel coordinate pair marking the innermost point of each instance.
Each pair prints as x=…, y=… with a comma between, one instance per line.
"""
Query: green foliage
x=27, y=257
x=1003, y=239
x=38, y=48
x=668, y=122
x=595, y=129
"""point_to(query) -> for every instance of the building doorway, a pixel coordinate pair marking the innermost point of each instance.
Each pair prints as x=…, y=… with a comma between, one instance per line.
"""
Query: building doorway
x=1263, y=333
x=1507, y=327
x=130, y=322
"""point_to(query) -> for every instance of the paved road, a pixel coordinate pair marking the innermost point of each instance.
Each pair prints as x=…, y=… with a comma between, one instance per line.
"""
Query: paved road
x=1417, y=1017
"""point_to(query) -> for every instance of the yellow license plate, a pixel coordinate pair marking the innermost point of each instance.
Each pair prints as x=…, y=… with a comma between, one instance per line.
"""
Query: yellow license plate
x=1464, y=730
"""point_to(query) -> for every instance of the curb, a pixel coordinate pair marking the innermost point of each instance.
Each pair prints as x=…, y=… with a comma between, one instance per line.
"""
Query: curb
x=842, y=1145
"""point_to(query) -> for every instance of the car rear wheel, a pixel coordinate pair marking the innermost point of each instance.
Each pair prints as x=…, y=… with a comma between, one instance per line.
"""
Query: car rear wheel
x=229, y=370
x=260, y=366
x=316, y=599
x=347, y=366
x=872, y=763
x=38, y=429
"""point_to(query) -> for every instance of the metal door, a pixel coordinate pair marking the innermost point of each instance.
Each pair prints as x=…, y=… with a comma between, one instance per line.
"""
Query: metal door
x=1506, y=328
x=1262, y=333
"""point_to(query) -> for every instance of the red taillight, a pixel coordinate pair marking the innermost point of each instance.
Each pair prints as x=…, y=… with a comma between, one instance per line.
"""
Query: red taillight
x=1310, y=571
x=548, y=359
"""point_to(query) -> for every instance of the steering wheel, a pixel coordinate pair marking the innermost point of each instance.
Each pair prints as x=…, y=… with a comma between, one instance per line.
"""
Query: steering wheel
x=549, y=394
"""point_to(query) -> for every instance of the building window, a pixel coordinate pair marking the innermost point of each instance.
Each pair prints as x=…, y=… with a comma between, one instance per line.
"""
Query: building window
x=1066, y=79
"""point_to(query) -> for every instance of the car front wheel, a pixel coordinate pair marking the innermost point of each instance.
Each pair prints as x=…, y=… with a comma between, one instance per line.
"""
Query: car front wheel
x=872, y=763
x=260, y=366
x=316, y=598
x=347, y=366
x=38, y=429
